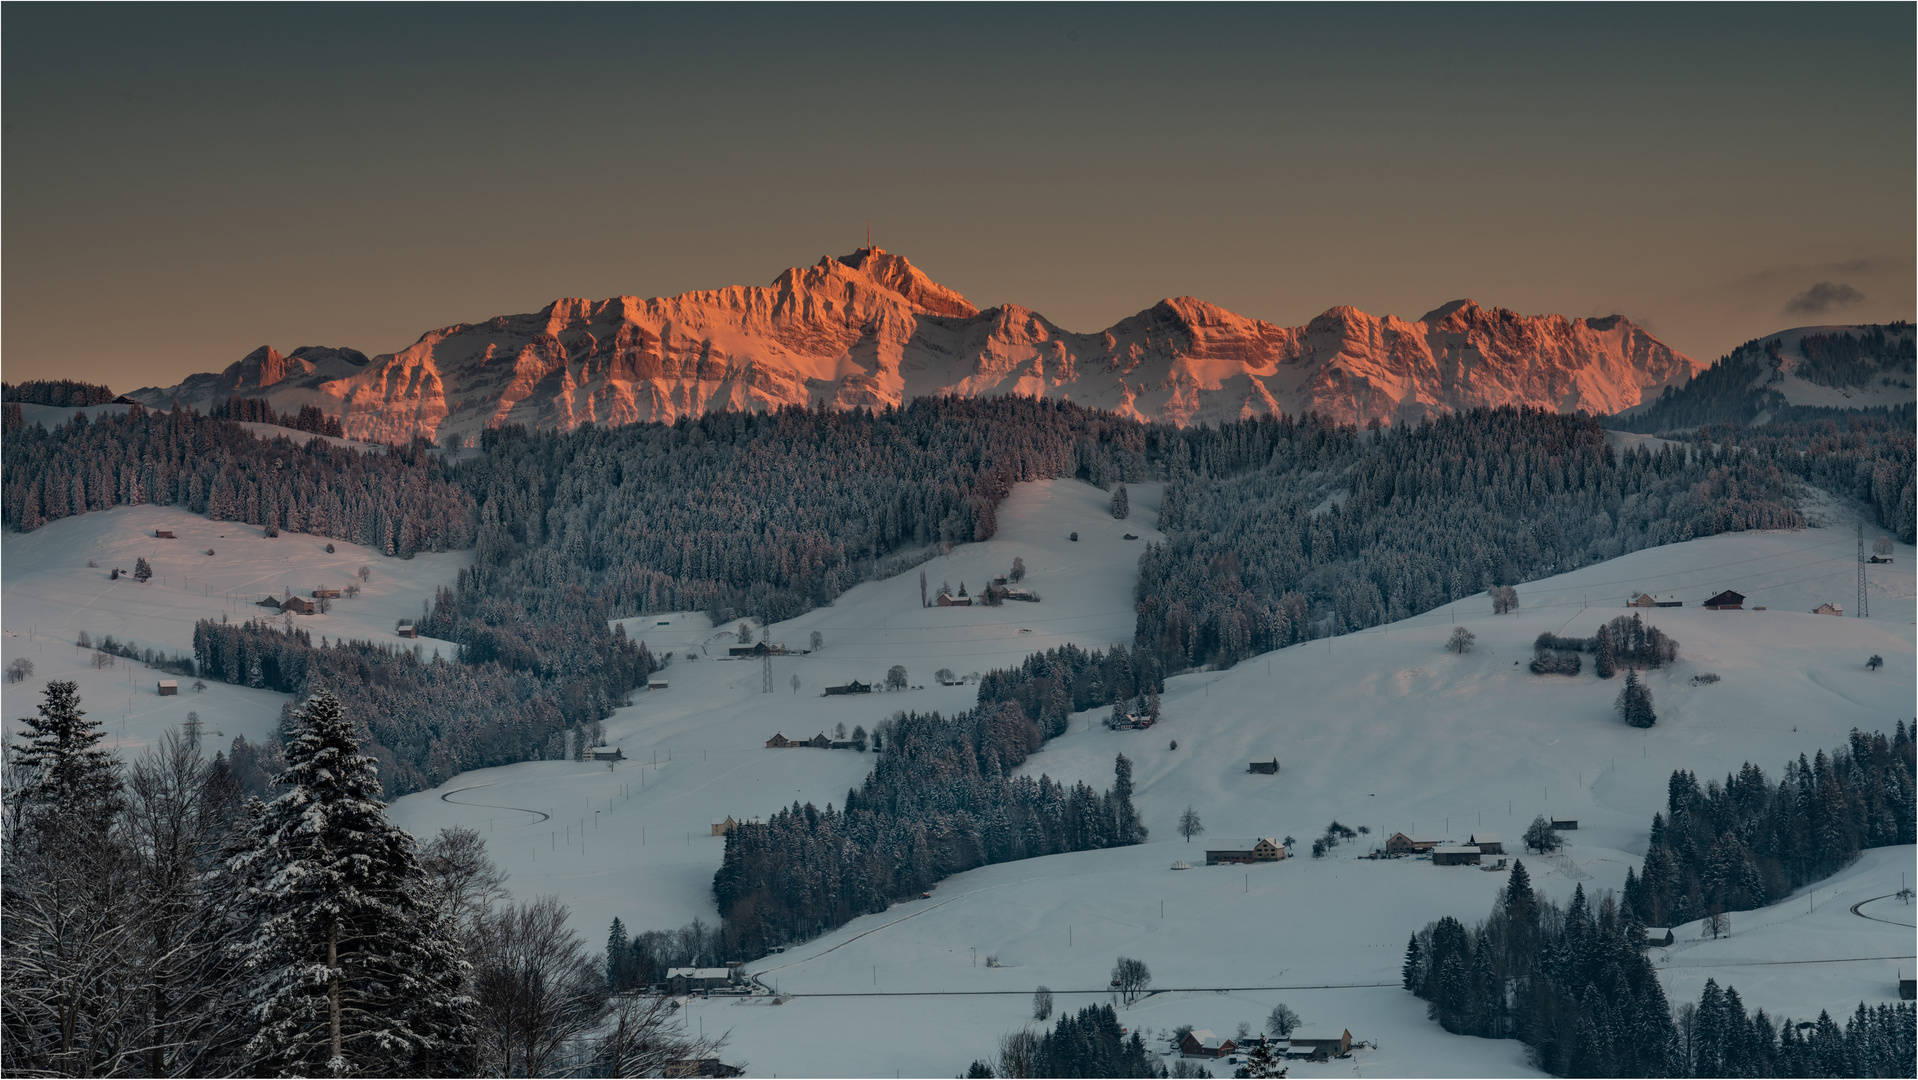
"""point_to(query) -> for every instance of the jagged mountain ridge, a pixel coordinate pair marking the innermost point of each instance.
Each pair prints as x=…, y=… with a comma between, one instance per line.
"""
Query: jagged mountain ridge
x=870, y=329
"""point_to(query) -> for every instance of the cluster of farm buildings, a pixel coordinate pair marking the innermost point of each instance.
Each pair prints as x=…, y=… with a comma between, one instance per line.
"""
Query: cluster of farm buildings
x=1315, y=1044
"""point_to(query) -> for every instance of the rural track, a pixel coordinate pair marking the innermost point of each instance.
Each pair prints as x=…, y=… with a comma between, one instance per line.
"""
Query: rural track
x=540, y=815
x=1874, y=918
x=1102, y=990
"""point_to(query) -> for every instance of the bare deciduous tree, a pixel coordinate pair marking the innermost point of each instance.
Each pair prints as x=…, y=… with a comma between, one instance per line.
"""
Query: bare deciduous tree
x=647, y=1037
x=469, y=883
x=1461, y=640
x=536, y=989
x=1190, y=825
x=1130, y=978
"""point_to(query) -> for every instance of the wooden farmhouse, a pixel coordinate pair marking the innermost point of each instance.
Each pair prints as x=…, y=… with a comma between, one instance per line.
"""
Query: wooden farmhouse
x=1565, y=824
x=655, y=684
x=163, y=534
x=853, y=687
x=780, y=742
x=407, y=629
x=271, y=601
x=1726, y=601
x=724, y=825
x=606, y=753
x=1269, y=768
x=1400, y=844
x=1828, y=609
x=1320, y=1042
x=1203, y=1042
x=691, y=980
x=326, y=594
x=954, y=601
x=169, y=688
x=299, y=605
x=1455, y=855
x=1263, y=849
x=1658, y=935
x=1488, y=843
x=1647, y=600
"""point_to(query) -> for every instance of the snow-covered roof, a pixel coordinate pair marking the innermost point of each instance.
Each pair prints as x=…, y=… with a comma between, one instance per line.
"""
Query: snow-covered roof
x=1208, y=1038
x=699, y=973
x=1238, y=844
x=1317, y=1035
x=1487, y=838
x=1455, y=849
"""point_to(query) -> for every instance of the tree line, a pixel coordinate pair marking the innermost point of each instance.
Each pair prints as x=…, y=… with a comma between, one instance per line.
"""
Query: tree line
x=396, y=502
x=1090, y=1042
x=1282, y=531
x=1750, y=842
x=63, y=393
x=425, y=720
x=941, y=799
x=260, y=411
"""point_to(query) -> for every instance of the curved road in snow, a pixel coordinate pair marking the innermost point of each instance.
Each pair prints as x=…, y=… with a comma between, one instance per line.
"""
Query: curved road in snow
x=1874, y=918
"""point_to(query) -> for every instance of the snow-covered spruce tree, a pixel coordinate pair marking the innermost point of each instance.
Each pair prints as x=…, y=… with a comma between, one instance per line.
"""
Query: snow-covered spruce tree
x=1121, y=506
x=351, y=967
x=1635, y=702
x=65, y=935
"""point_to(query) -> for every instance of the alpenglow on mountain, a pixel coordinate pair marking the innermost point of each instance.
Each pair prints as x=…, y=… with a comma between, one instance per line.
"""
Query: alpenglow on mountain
x=870, y=329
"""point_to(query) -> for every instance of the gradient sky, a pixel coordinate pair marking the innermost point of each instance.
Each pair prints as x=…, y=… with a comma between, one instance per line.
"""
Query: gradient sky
x=182, y=184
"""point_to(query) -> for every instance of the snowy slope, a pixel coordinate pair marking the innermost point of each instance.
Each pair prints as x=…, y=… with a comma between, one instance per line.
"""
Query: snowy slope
x=871, y=330
x=1383, y=729
x=48, y=594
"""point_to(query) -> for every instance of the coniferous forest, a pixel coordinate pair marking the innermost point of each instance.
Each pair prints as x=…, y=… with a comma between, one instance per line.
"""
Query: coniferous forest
x=1750, y=841
x=1576, y=987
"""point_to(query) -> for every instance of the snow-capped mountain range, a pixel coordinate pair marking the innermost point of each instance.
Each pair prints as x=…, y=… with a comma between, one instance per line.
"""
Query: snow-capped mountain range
x=870, y=329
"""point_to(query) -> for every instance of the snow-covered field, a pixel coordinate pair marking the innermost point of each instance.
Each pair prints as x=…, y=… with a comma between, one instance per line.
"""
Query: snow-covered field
x=49, y=595
x=1383, y=729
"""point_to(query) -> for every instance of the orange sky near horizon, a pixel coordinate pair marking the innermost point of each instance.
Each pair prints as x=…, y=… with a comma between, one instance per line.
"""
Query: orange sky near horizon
x=183, y=184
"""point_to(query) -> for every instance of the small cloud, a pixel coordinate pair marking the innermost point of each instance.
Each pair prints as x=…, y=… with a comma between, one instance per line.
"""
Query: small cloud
x=1823, y=297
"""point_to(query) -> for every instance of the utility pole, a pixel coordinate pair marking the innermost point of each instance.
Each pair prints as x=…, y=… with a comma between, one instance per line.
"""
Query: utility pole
x=1864, y=610
x=768, y=669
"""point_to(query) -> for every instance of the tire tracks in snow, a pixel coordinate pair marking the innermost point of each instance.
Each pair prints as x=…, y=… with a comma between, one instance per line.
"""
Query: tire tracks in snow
x=539, y=815
x=1874, y=918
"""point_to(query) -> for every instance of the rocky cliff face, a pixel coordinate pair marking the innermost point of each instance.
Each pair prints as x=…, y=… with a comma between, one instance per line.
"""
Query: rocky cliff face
x=870, y=329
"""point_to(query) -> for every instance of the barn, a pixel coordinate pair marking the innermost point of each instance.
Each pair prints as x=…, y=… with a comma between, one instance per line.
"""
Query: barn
x=1270, y=768
x=1262, y=849
x=1488, y=843
x=1726, y=601
x=1313, y=1042
x=1455, y=855
x=169, y=687
x=298, y=605
x=1204, y=1042
x=1401, y=844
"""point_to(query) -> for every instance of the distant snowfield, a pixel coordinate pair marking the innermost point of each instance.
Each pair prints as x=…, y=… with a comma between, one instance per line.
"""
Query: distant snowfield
x=1383, y=729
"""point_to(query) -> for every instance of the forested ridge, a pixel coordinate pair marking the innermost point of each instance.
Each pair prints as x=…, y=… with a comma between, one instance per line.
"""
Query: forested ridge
x=1283, y=531
x=397, y=502
x=1741, y=387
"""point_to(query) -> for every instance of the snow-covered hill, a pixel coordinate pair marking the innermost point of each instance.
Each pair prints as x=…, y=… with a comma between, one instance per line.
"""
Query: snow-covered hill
x=870, y=329
x=1383, y=729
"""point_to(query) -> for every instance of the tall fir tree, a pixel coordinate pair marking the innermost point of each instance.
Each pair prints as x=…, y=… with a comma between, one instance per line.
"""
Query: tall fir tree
x=352, y=969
